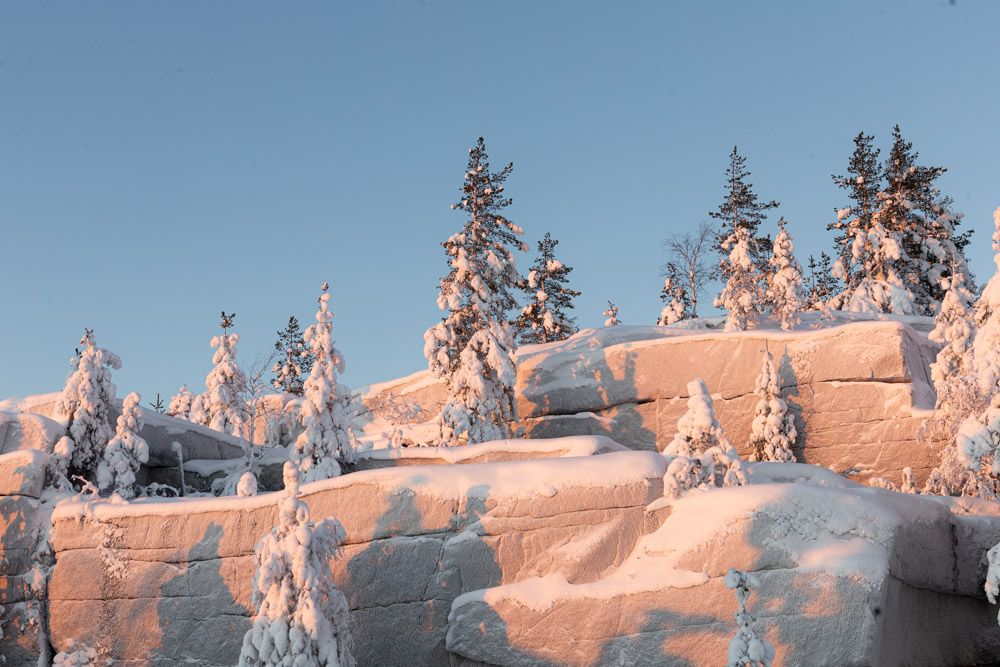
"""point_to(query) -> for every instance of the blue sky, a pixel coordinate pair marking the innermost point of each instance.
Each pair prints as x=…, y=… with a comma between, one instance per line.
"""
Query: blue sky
x=161, y=162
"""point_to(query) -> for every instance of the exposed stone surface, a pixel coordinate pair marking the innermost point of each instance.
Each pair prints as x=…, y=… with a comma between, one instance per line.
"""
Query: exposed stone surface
x=858, y=391
x=417, y=538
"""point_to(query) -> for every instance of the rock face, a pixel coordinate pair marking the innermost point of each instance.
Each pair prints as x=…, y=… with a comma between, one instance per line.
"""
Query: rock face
x=849, y=576
x=858, y=391
x=21, y=478
x=169, y=582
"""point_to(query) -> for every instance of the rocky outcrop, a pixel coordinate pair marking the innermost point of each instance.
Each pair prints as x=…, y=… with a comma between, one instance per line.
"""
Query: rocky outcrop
x=168, y=582
x=859, y=391
x=22, y=474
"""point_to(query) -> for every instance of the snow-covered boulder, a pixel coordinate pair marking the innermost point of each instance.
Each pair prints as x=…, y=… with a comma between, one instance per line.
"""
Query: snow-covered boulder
x=23, y=431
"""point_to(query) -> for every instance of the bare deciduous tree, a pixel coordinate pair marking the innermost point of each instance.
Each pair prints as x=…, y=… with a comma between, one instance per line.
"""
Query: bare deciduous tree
x=686, y=254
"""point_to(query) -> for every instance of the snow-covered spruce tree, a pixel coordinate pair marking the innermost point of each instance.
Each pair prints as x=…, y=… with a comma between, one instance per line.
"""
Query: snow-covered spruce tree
x=784, y=281
x=473, y=347
x=545, y=319
x=180, y=404
x=676, y=305
x=741, y=210
x=301, y=618
x=295, y=360
x=953, y=372
x=221, y=407
x=772, y=432
x=611, y=315
x=326, y=436
x=126, y=451
x=747, y=648
x=87, y=399
x=870, y=250
x=741, y=296
x=986, y=345
x=923, y=219
x=700, y=454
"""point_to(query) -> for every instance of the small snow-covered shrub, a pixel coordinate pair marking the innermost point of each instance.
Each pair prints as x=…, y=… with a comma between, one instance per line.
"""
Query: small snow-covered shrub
x=126, y=451
x=180, y=404
x=78, y=657
x=301, y=618
x=881, y=483
x=247, y=485
x=747, y=648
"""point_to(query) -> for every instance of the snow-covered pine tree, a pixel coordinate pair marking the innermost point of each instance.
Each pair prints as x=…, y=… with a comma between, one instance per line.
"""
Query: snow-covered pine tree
x=741, y=296
x=180, y=404
x=295, y=360
x=741, y=210
x=697, y=430
x=784, y=282
x=747, y=648
x=220, y=407
x=772, y=432
x=125, y=452
x=676, y=304
x=986, y=345
x=611, y=315
x=326, y=436
x=545, y=319
x=87, y=399
x=473, y=347
x=301, y=618
x=870, y=250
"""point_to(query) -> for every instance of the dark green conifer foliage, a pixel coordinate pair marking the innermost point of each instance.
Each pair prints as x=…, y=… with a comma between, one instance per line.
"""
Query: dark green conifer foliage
x=296, y=360
x=863, y=184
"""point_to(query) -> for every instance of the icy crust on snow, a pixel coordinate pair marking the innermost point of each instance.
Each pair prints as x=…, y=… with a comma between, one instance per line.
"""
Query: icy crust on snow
x=480, y=481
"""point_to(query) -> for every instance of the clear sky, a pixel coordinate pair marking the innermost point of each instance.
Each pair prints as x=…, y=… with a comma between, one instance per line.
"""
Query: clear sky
x=163, y=161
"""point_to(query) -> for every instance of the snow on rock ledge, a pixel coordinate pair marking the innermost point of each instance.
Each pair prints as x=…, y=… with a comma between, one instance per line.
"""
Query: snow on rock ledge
x=849, y=575
x=417, y=537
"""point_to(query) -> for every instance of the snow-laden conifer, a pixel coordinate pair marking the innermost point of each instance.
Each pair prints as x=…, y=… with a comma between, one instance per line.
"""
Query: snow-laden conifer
x=180, y=404
x=747, y=648
x=473, y=347
x=675, y=301
x=987, y=314
x=295, y=359
x=301, y=618
x=125, y=452
x=741, y=296
x=611, y=315
x=325, y=415
x=784, y=282
x=870, y=248
x=953, y=371
x=741, y=210
x=221, y=407
x=545, y=319
x=86, y=400
x=700, y=453
x=772, y=432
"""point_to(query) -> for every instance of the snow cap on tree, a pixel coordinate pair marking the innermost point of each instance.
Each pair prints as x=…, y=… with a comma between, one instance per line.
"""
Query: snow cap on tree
x=784, y=282
x=86, y=400
x=675, y=301
x=772, y=432
x=325, y=414
x=473, y=347
x=301, y=618
x=697, y=430
x=126, y=451
x=221, y=407
x=741, y=296
x=180, y=404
